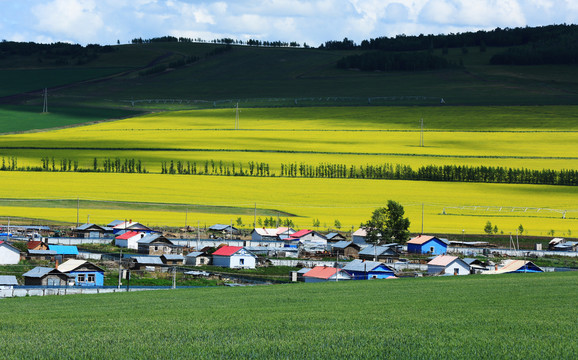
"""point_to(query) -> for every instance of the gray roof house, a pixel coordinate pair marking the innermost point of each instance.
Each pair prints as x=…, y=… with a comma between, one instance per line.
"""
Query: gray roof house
x=386, y=252
x=8, y=281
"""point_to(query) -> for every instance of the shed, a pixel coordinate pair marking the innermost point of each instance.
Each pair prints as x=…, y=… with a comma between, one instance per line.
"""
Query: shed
x=424, y=244
x=386, y=252
x=9, y=255
x=156, y=244
x=325, y=273
x=148, y=263
x=476, y=266
x=346, y=248
x=37, y=245
x=92, y=231
x=334, y=237
x=447, y=265
x=85, y=274
x=173, y=259
x=41, y=255
x=365, y=270
x=197, y=258
x=224, y=229
x=64, y=251
x=8, y=281
x=515, y=266
x=298, y=275
x=234, y=257
x=44, y=276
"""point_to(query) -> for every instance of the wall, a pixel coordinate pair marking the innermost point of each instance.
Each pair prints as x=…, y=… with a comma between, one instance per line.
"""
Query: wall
x=24, y=291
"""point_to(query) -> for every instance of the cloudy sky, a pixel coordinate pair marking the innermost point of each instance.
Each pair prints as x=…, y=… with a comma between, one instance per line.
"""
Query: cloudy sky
x=305, y=21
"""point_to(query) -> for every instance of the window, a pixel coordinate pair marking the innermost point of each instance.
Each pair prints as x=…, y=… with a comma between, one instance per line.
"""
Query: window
x=202, y=260
x=80, y=278
x=431, y=249
x=242, y=261
x=90, y=278
x=456, y=271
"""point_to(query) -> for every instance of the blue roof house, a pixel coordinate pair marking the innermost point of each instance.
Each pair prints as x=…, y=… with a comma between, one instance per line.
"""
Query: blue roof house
x=365, y=270
x=68, y=251
x=427, y=245
x=85, y=274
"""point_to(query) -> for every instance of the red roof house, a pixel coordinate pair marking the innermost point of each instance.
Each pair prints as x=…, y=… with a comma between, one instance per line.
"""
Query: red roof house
x=234, y=257
x=326, y=273
x=129, y=239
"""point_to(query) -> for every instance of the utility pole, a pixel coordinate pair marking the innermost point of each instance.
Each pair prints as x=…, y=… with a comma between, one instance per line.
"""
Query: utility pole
x=198, y=234
x=77, y=210
x=255, y=217
x=174, y=277
x=45, y=106
x=422, y=218
x=119, y=269
x=237, y=117
x=421, y=133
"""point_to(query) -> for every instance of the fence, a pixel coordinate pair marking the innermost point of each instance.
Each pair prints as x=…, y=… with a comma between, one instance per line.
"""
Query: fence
x=22, y=291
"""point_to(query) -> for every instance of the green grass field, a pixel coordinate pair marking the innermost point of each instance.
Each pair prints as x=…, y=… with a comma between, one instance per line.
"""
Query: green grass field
x=516, y=316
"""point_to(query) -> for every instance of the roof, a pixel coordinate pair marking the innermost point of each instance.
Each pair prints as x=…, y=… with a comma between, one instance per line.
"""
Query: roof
x=377, y=250
x=8, y=246
x=42, y=252
x=33, y=244
x=73, y=264
x=88, y=226
x=148, y=260
x=8, y=280
x=321, y=272
x=301, y=233
x=195, y=254
x=227, y=250
x=443, y=260
x=127, y=235
x=304, y=271
x=422, y=239
x=149, y=238
x=114, y=223
x=556, y=241
x=364, y=266
x=514, y=266
x=360, y=232
x=332, y=235
x=39, y=272
x=64, y=249
x=173, y=257
x=343, y=244
x=130, y=225
x=221, y=227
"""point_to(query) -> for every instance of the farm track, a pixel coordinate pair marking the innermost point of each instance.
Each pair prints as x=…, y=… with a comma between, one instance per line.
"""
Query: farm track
x=292, y=152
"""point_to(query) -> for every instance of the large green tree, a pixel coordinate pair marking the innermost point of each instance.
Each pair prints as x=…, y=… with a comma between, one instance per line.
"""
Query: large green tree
x=387, y=224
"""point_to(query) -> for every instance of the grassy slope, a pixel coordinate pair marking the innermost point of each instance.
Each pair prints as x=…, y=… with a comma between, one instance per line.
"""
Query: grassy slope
x=483, y=317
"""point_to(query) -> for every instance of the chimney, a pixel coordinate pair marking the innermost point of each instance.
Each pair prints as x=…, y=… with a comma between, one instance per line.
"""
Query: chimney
x=496, y=267
x=56, y=264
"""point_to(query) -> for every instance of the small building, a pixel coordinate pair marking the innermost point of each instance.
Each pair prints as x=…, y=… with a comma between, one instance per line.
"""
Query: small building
x=265, y=234
x=44, y=276
x=325, y=273
x=84, y=273
x=424, y=244
x=147, y=263
x=173, y=259
x=8, y=282
x=515, y=266
x=365, y=270
x=346, y=248
x=224, y=230
x=298, y=275
x=359, y=236
x=64, y=251
x=308, y=235
x=334, y=237
x=125, y=226
x=129, y=239
x=197, y=258
x=385, y=253
x=566, y=246
x=156, y=244
x=36, y=245
x=235, y=257
x=91, y=231
x=308, y=240
x=476, y=266
x=9, y=255
x=554, y=242
x=447, y=265
x=49, y=255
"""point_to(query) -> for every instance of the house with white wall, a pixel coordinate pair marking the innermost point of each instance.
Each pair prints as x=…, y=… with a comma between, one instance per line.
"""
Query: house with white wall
x=234, y=257
x=9, y=255
x=447, y=265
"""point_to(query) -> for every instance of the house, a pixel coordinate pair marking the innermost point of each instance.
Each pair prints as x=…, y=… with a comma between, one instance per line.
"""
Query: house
x=235, y=257
x=365, y=270
x=91, y=231
x=147, y=263
x=476, y=266
x=334, y=237
x=49, y=255
x=197, y=258
x=129, y=239
x=44, y=276
x=156, y=244
x=37, y=245
x=264, y=234
x=359, y=236
x=8, y=282
x=566, y=246
x=64, y=251
x=298, y=275
x=84, y=273
x=308, y=235
x=308, y=240
x=125, y=226
x=9, y=255
x=554, y=242
x=346, y=248
x=515, y=266
x=325, y=273
x=173, y=259
x=225, y=230
x=424, y=244
x=447, y=265
x=386, y=253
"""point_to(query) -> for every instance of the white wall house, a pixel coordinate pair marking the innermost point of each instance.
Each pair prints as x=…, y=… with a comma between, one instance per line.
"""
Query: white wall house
x=447, y=265
x=9, y=255
x=129, y=239
x=234, y=257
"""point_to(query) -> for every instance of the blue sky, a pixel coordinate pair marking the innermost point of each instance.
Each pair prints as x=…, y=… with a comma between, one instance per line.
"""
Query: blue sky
x=311, y=21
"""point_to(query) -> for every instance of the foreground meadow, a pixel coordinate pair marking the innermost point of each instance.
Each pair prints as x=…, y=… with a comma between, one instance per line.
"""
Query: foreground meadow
x=157, y=199
x=516, y=316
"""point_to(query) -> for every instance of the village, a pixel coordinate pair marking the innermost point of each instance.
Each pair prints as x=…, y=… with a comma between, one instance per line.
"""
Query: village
x=64, y=263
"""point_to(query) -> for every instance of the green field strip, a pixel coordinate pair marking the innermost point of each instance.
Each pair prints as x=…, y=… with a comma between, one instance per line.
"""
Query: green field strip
x=127, y=205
